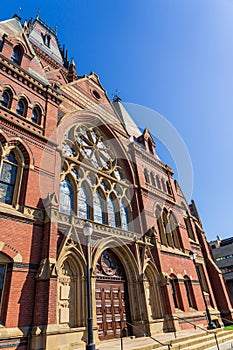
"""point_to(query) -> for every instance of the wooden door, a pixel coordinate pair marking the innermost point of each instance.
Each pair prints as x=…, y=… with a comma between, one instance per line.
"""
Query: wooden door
x=112, y=307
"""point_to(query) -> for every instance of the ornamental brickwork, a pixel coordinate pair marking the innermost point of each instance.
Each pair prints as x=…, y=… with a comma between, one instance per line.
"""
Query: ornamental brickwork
x=69, y=155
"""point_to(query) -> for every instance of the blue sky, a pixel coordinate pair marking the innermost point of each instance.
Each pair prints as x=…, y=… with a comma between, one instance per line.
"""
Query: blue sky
x=173, y=56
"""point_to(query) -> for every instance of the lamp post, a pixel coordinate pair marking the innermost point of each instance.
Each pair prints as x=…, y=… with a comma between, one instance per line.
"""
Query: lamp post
x=211, y=324
x=87, y=231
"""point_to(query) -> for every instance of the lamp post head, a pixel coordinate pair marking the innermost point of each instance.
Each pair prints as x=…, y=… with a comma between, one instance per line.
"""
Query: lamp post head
x=192, y=255
x=87, y=229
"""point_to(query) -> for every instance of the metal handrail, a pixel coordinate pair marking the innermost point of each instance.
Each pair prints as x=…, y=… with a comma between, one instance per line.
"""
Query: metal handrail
x=225, y=319
x=144, y=333
x=202, y=328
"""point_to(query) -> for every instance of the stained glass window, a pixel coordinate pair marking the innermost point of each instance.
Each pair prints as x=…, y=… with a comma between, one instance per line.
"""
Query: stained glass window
x=21, y=108
x=16, y=55
x=112, y=213
x=5, y=99
x=66, y=197
x=124, y=217
x=35, y=116
x=8, y=178
x=84, y=211
x=2, y=279
x=98, y=208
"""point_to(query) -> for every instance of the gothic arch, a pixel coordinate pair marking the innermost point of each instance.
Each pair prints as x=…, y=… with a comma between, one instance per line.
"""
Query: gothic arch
x=152, y=292
x=124, y=254
x=88, y=117
x=71, y=289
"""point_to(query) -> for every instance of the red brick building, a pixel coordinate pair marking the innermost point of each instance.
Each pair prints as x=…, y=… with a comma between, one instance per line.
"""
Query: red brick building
x=69, y=155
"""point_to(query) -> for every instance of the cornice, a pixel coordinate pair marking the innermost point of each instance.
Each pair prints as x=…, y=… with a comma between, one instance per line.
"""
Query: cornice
x=25, y=78
x=149, y=158
x=40, y=53
x=17, y=130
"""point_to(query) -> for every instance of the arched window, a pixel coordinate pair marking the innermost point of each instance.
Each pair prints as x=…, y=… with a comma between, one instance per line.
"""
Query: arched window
x=158, y=182
x=173, y=289
x=146, y=175
x=66, y=197
x=84, y=201
x=190, y=292
x=189, y=228
x=17, y=55
x=5, y=277
x=112, y=213
x=21, y=108
x=8, y=178
x=169, y=189
x=161, y=226
x=163, y=185
x=98, y=207
x=6, y=99
x=173, y=228
x=36, y=115
x=152, y=179
x=124, y=217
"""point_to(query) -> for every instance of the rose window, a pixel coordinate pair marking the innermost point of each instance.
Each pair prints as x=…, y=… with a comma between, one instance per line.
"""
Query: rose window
x=90, y=144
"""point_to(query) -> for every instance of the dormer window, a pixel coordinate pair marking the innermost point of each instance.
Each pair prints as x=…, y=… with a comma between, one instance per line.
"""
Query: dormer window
x=17, y=55
x=46, y=39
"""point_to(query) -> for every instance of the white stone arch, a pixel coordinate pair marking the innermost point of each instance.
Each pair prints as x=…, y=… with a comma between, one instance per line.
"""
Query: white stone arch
x=71, y=289
x=151, y=282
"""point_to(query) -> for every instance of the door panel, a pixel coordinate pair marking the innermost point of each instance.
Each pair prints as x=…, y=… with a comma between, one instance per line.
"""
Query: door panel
x=110, y=308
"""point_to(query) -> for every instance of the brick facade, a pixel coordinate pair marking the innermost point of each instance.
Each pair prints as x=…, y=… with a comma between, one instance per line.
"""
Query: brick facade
x=145, y=228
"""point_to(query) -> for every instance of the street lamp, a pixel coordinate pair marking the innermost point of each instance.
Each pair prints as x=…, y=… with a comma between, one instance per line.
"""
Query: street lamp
x=87, y=231
x=211, y=324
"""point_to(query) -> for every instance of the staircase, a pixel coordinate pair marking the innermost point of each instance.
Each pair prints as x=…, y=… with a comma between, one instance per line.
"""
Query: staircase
x=185, y=340
x=201, y=341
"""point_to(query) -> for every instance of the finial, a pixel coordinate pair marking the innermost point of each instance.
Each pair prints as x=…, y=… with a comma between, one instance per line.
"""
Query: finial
x=55, y=29
x=116, y=97
x=38, y=13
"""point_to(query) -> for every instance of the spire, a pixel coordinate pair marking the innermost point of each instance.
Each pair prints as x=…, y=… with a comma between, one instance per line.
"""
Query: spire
x=72, y=75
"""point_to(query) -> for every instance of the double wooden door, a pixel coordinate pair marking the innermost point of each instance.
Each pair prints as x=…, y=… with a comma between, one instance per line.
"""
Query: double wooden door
x=111, y=308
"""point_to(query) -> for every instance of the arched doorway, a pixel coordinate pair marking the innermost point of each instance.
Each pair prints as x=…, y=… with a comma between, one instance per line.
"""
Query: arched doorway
x=112, y=301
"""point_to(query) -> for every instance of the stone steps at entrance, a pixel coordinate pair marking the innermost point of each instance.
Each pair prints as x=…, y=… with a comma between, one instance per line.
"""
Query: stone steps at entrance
x=185, y=340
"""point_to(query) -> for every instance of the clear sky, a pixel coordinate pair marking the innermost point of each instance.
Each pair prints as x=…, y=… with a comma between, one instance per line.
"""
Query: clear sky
x=173, y=56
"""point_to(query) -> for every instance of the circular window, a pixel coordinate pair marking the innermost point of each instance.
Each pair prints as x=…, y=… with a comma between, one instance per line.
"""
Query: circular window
x=96, y=94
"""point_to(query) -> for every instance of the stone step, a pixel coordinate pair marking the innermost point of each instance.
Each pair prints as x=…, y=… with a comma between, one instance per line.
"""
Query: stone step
x=194, y=342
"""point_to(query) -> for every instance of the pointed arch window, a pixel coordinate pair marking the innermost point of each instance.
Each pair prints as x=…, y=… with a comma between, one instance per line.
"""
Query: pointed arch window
x=21, y=108
x=190, y=292
x=174, y=291
x=8, y=178
x=146, y=175
x=158, y=182
x=161, y=226
x=112, y=213
x=169, y=189
x=17, y=55
x=66, y=197
x=98, y=207
x=2, y=281
x=84, y=200
x=6, y=99
x=36, y=115
x=124, y=217
x=152, y=179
